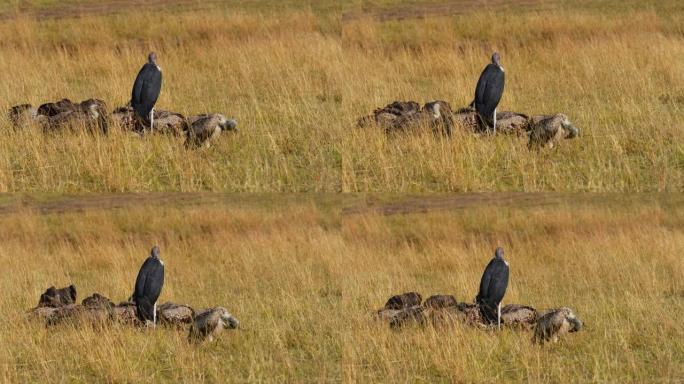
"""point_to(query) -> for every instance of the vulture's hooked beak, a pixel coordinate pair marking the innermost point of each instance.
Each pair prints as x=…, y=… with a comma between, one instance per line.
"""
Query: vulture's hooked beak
x=231, y=125
x=231, y=322
x=572, y=131
x=576, y=324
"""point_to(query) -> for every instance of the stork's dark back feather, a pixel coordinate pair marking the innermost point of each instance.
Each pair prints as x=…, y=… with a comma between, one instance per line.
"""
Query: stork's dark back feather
x=150, y=280
x=146, y=90
x=489, y=90
x=148, y=287
x=494, y=283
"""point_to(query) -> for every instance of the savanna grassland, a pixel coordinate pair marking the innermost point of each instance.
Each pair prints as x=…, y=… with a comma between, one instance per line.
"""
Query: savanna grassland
x=297, y=75
x=304, y=273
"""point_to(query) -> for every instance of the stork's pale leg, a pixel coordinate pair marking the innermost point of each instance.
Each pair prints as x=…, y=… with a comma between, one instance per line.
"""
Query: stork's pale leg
x=498, y=315
x=494, y=120
x=154, y=316
x=152, y=119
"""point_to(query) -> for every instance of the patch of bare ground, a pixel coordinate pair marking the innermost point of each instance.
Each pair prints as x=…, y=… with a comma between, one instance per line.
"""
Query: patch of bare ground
x=447, y=8
x=409, y=205
x=103, y=201
x=352, y=204
x=98, y=8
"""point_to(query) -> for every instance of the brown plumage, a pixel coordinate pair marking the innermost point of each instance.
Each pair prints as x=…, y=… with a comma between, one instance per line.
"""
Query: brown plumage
x=404, y=116
x=384, y=117
x=404, y=300
x=516, y=315
x=440, y=310
x=473, y=314
x=397, y=318
x=22, y=115
x=548, y=130
x=506, y=122
x=511, y=123
x=90, y=115
x=165, y=122
x=54, y=297
x=54, y=109
x=97, y=301
x=51, y=300
x=211, y=322
x=124, y=118
x=176, y=315
x=42, y=314
x=461, y=313
x=126, y=313
x=204, y=128
x=449, y=315
x=440, y=301
x=555, y=323
x=79, y=315
x=446, y=316
x=170, y=123
x=97, y=110
x=94, y=310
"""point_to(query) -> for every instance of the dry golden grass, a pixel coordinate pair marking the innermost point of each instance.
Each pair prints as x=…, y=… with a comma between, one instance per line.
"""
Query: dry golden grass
x=297, y=79
x=302, y=273
x=303, y=279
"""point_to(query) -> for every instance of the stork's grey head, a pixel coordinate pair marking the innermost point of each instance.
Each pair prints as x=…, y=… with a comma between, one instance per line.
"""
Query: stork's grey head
x=152, y=58
x=496, y=58
x=499, y=253
x=155, y=252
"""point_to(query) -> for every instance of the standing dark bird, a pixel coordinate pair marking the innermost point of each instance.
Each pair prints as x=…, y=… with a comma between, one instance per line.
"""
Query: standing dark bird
x=148, y=286
x=146, y=90
x=488, y=92
x=493, y=287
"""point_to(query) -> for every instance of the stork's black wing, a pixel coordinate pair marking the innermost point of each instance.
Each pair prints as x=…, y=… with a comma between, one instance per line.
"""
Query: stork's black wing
x=498, y=286
x=494, y=283
x=148, y=286
x=146, y=89
x=484, y=281
x=150, y=280
x=489, y=90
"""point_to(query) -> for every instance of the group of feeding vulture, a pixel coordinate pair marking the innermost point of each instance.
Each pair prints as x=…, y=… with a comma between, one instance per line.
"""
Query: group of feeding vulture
x=92, y=116
x=480, y=117
x=443, y=310
x=139, y=116
x=544, y=131
x=59, y=306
